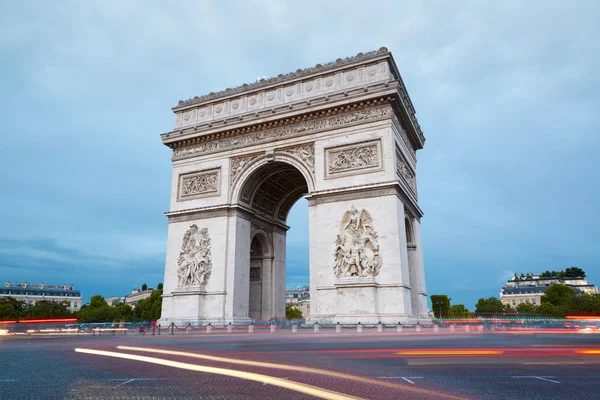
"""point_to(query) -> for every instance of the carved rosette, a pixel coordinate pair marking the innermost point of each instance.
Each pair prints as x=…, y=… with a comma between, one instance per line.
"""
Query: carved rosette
x=197, y=184
x=238, y=164
x=285, y=131
x=405, y=172
x=194, y=264
x=305, y=152
x=356, y=249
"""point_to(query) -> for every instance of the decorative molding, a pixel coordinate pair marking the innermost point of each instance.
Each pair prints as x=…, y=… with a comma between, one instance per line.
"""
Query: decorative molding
x=238, y=164
x=343, y=160
x=404, y=136
x=281, y=78
x=356, y=249
x=194, y=264
x=305, y=152
x=255, y=274
x=285, y=131
x=199, y=184
x=405, y=172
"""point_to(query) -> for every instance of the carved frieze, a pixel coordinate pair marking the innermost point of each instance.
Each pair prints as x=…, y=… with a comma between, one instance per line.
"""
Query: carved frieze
x=356, y=249
x=194, y=264
x=405, y=172
x=198, y=184
x=238, y=164
x=285, y=131
x=305, y=152
x=349, y=158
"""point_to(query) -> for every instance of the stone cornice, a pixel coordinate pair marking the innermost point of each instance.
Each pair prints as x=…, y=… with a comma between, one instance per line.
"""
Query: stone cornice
x=280, y=115
x=316, y=121
x=299, y=90
x=281, y=78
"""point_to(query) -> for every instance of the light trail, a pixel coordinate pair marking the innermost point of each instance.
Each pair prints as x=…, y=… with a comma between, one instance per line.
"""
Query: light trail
x=287, y=384
x=291, y=368
x=450, y=352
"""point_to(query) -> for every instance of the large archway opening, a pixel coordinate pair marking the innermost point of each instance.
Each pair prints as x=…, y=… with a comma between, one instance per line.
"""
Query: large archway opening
x=268, y=195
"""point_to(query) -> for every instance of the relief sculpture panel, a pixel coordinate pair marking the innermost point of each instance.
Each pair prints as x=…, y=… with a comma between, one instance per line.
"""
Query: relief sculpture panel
x=238, y=164
x=305, y=152
x=198, y=184
x=347, y=159
x=405, y=172
x=194, y=264
x=356, y=247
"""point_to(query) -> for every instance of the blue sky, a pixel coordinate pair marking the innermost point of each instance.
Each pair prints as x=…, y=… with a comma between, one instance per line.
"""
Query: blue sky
x=507, y=94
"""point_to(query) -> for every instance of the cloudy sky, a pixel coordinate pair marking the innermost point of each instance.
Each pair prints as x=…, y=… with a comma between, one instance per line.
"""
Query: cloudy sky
x=507, y=94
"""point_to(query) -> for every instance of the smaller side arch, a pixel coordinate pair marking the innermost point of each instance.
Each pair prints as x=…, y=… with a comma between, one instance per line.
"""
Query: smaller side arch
x=410, y=237
x=265, y=241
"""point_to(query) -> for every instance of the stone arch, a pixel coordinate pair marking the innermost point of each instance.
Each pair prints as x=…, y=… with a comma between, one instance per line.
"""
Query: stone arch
x=271, y=185
x=262, y=161
x=264, y=239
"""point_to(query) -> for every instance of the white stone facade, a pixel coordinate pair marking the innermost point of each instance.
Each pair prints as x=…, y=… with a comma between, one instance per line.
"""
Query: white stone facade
x=243, y=157
x=31, y=294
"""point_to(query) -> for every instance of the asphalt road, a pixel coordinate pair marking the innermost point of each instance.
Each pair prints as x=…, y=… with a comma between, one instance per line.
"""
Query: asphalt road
x=302, y=366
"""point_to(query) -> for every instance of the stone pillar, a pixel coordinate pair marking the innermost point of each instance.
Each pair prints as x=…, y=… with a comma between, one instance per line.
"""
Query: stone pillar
x=385, y=296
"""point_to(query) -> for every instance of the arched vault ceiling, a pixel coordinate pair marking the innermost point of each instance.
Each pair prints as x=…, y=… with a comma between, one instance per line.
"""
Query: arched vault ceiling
x=273, y=189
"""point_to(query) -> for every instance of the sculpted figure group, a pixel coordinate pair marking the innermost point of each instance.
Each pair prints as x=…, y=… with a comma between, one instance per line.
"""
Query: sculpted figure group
x=356, y=248
x=194, y=263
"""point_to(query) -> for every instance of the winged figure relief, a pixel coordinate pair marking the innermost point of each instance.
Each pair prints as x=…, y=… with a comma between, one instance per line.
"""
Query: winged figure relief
x=356, y=250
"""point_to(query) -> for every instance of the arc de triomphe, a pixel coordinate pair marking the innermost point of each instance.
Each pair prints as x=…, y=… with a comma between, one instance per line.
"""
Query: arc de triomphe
x=344, y=135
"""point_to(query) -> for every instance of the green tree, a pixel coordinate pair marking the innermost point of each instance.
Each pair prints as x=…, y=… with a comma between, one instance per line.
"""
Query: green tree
x=97, y=310
x=490, y=305
x=556, y=294
x=440, y=304
x=547, y=310
x=574, y=272
x=149, y=309
x=159, y=286
x=122, y=311
x=526, y=308
x=292, y=312
x=144, y=287
x=49, y=309
x=459, y=311
x=12, y=309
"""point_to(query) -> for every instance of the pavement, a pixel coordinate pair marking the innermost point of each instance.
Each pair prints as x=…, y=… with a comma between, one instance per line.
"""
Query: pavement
x=386, y=365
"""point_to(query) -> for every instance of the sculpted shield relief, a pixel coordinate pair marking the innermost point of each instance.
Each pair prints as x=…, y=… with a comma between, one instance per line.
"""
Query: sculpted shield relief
x=194, y=263
x=356, y=247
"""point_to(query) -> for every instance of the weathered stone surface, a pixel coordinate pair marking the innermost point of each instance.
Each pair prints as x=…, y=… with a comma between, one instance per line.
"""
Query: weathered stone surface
x=352, y=157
